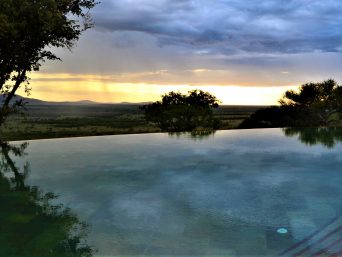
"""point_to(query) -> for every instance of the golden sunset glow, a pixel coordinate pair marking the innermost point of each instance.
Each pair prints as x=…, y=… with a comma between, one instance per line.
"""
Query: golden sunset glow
x=69, y=87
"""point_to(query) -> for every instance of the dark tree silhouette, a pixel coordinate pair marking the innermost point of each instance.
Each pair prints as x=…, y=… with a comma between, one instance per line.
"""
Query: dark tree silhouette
x=313, y=136
x=30, y=224
x=315, y=104
x=177, y=112
x=28, y=29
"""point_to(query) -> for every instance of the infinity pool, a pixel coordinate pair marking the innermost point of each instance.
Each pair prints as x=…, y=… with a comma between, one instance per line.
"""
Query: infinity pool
x=265, y=192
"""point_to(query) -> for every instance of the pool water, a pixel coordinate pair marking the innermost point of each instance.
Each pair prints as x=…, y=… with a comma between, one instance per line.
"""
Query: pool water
x=265, y=192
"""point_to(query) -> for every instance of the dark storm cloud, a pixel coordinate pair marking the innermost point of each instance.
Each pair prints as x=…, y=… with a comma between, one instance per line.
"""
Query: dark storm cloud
x=230, y=26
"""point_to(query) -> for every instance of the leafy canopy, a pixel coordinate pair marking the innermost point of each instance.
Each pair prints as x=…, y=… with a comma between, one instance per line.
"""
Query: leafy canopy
x=314, y=104
x=179, y=112
x=29, y=30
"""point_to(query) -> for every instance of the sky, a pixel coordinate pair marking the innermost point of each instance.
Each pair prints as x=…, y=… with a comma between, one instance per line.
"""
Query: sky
x=242, y=51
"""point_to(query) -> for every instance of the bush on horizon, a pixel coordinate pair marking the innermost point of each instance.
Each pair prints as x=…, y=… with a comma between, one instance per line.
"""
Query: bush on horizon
x=178, y=112
x=313, y=105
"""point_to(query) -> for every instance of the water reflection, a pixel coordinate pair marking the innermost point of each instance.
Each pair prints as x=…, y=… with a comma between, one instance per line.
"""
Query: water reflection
x=194, y=135
x=30, y=224
x=152, y=195
x=328, y=137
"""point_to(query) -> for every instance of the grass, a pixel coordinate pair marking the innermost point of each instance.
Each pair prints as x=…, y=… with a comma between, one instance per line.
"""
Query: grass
x=44, y=121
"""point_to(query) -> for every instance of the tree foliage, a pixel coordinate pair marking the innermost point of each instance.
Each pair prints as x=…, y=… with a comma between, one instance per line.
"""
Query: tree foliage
x=28, y=31
x=314, y=104
x=179, y=112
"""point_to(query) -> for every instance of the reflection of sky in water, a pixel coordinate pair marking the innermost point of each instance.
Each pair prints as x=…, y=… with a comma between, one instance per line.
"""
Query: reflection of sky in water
x=226, y=194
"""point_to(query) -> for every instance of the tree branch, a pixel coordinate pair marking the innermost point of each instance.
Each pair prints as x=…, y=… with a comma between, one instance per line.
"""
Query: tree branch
x=20, y=79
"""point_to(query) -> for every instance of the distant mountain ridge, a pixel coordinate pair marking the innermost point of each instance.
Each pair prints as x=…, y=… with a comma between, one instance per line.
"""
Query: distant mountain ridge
x=34, y=101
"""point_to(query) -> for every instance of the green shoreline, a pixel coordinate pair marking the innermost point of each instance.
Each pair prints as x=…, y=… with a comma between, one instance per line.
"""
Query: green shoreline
x=62, y=121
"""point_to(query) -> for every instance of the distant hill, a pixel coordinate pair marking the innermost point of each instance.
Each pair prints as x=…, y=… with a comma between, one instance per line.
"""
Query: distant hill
x=33, y=101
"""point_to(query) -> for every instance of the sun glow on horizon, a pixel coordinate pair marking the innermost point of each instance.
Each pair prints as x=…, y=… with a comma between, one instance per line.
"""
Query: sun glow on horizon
x=67, y=87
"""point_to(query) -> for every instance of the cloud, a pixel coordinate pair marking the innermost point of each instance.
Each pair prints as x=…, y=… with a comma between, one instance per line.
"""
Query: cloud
x=230, y=26
x=154, y=44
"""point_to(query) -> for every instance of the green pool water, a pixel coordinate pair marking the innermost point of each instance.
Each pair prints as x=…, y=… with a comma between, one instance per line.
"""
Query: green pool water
x=267, y=192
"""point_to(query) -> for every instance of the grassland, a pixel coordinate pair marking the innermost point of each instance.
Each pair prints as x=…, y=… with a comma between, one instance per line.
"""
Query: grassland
x=55, y=121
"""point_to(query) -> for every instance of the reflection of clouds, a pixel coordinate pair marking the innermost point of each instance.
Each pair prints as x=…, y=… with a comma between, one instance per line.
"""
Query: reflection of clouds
x=201, y=151
x=136, y=210
x=146, y=213
x=170, y=188
x=223, y=198
x=249, y=197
